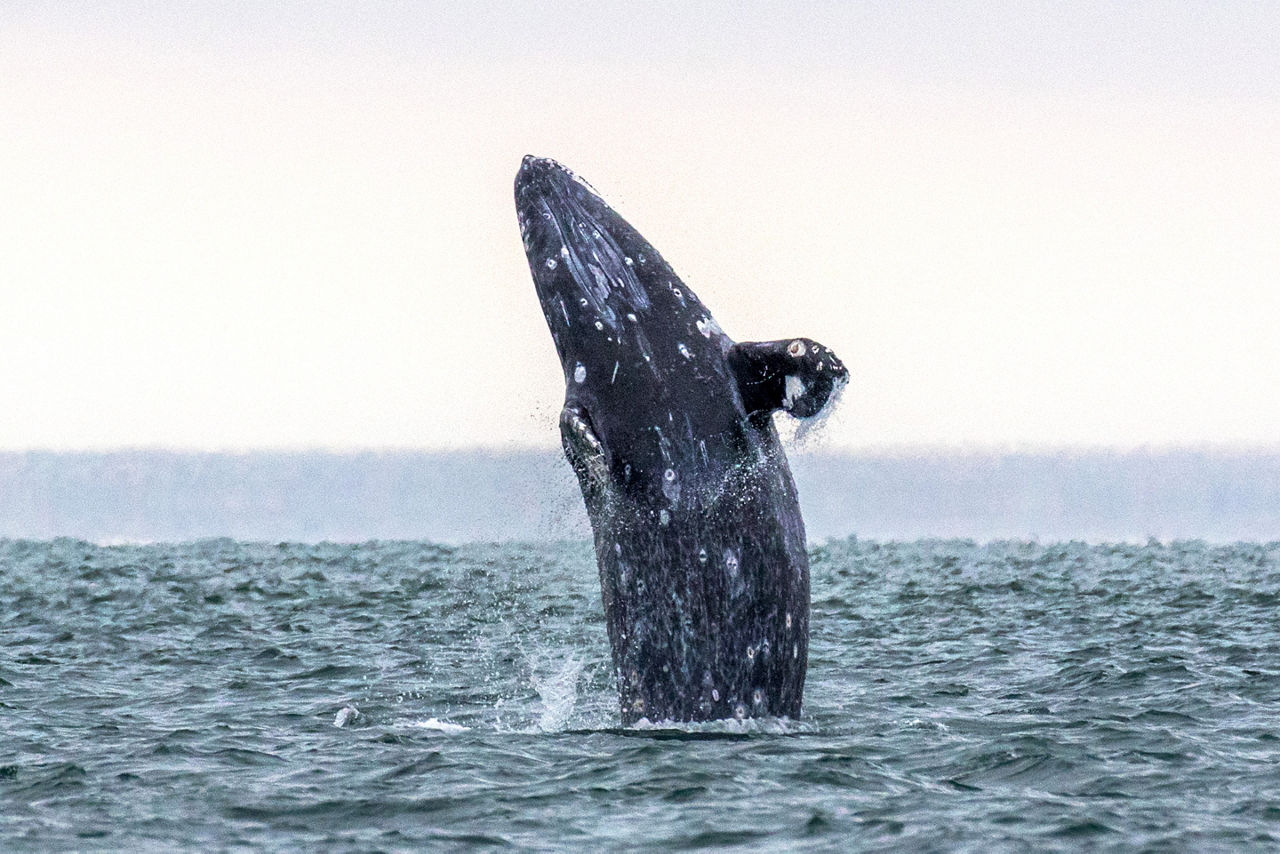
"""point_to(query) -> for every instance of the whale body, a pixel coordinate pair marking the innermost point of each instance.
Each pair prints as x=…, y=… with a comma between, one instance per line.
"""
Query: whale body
x=667, y=423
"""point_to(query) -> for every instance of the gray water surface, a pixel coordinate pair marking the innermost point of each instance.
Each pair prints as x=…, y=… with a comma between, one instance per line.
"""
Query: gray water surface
x=401, y=695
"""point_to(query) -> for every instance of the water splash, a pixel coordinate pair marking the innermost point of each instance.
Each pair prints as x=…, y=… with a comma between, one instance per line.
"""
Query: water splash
x=346, y=715
x=802, y=434
x=558, y=690
x=437, y=725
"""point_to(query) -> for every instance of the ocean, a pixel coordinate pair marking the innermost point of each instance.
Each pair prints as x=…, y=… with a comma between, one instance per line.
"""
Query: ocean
x=402, y=695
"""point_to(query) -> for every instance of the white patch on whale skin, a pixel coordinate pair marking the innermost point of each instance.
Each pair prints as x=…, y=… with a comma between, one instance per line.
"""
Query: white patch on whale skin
x=731, y=561
x=671, y=486
x=795, y=389
x=551, y=263
x=684, y=351
x=579, y=373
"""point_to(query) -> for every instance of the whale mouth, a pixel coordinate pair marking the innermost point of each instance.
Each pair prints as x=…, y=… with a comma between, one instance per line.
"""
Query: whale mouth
x=569, y=229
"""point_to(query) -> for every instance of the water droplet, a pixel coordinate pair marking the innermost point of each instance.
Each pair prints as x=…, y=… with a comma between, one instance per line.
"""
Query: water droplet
x=551, y=263
x=579, y=373
x=631, y=317
x=715, y=695
x=788, y=619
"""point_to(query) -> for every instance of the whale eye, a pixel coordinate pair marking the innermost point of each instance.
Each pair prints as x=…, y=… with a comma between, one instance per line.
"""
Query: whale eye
x=796, y=349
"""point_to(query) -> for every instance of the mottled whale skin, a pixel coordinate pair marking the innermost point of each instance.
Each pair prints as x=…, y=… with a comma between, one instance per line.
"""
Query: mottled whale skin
x=667, y=425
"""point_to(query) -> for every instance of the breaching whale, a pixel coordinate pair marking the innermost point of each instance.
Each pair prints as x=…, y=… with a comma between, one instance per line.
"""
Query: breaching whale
x=667, y=424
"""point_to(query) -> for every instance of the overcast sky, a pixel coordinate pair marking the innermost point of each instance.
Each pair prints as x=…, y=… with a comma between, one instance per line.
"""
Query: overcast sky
x=242, y=225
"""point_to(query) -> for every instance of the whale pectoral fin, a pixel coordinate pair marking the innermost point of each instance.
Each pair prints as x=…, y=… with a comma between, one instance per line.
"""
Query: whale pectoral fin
x=797, y=375
x=585, y=453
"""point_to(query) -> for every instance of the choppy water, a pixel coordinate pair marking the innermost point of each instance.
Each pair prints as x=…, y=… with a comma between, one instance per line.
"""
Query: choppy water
x=1011, y=696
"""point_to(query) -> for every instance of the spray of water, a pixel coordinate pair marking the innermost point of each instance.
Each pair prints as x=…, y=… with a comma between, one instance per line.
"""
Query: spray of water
x=557, y=686
x=802, y=434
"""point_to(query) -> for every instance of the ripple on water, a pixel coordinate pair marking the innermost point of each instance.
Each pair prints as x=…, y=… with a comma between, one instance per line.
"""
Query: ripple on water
x=393, y=695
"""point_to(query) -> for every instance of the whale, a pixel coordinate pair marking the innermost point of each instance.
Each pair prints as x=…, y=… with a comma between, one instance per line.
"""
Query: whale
x=668, y=425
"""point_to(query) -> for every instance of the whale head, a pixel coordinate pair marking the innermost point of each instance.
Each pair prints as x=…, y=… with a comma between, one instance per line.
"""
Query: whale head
x=608, y=296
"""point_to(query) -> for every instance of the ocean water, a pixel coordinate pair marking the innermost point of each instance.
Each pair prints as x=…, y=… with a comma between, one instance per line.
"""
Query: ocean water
x=1011, y=696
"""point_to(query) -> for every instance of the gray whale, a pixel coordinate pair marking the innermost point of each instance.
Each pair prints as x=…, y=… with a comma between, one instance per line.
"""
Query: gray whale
x=667, y=423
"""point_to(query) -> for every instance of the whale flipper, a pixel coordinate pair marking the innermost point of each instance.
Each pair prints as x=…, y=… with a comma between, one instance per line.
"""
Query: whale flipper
x=585, y=453
x=797, y=375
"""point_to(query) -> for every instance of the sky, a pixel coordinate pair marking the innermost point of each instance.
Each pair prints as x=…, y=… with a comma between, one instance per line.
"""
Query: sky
x=240, y=225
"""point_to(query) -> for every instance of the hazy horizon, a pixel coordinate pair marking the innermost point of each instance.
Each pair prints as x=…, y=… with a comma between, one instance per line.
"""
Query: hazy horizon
x=526, y=495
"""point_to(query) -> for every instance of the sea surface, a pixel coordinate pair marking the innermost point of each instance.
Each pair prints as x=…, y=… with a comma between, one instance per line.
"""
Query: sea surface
x=1009, y=696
